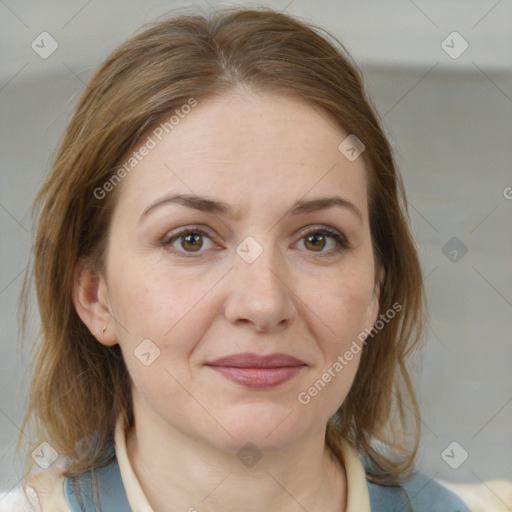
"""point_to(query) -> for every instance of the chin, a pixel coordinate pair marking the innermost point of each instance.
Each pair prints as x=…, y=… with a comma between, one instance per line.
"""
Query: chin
x=268, y=426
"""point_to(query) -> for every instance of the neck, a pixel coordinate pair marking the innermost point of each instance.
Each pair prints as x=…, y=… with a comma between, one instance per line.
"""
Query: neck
x=180, y=473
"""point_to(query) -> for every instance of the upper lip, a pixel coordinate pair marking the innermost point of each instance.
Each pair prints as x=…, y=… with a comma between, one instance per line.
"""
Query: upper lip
x=250, y=360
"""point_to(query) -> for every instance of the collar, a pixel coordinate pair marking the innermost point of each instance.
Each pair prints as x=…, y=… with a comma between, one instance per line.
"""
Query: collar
x=120, y=490
x=357, y=497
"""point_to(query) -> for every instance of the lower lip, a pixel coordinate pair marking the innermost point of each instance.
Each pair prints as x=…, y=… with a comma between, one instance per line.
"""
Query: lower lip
x=258, y=377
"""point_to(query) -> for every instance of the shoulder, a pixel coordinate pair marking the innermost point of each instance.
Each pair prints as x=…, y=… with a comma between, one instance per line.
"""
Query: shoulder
x=426, y=493
x=421, y=493
x=490, y=495
x=41, y=491
x=16, y=500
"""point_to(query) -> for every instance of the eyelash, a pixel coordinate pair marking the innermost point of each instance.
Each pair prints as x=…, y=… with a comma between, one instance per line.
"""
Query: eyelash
x=342, y=243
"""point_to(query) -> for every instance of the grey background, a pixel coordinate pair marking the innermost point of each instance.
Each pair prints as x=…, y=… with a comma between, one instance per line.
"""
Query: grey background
x=450, y=121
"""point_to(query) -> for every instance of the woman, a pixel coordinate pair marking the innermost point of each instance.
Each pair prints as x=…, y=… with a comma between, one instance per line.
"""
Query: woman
x=227, y=284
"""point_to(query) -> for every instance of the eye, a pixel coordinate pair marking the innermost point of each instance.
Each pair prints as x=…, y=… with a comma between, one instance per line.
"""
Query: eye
x=192, y=240
x=187, y=241
x=317, y=239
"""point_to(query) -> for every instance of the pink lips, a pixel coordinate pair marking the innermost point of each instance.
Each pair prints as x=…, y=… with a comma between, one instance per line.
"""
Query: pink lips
x=255, y=371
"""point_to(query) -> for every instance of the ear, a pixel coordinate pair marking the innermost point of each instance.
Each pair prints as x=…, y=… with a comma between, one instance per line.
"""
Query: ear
x=373, y=309
x=92, y=304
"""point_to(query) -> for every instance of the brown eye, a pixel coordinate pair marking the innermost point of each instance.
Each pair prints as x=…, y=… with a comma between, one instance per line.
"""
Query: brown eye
x=315, y=242
x=187, y=242
x=192, y=242
x=324, y=241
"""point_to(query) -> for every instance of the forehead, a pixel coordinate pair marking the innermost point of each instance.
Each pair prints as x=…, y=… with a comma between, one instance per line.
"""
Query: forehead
x=251, y=150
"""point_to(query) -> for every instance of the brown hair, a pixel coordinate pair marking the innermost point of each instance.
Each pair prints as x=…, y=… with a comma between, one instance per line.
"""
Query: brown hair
x=79, y=386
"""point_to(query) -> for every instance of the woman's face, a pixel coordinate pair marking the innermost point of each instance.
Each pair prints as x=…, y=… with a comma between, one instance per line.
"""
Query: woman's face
x=241, y=265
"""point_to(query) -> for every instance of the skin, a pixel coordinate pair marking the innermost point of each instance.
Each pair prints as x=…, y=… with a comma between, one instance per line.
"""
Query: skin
x=262, y=153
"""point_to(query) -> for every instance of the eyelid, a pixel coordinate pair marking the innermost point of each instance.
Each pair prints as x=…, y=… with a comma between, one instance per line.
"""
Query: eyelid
x=184, y=231
x=315, y=228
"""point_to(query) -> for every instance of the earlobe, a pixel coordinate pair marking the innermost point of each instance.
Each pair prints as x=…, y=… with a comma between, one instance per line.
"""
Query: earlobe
x=381, y=273
x=373, y=311
x=89, y=288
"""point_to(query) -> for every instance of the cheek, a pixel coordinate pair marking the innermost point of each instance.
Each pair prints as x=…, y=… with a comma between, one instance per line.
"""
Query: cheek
x=146, y=301
x=173, y=314
x=345, y=304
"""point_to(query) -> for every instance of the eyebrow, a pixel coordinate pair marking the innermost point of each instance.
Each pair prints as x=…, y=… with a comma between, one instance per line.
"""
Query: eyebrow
x=220, y=208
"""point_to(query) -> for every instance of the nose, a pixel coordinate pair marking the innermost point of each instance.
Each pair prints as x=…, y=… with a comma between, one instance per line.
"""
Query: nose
x=260, y=294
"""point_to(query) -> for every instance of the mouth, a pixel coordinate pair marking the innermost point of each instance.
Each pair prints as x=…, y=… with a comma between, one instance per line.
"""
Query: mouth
x=257, y=371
